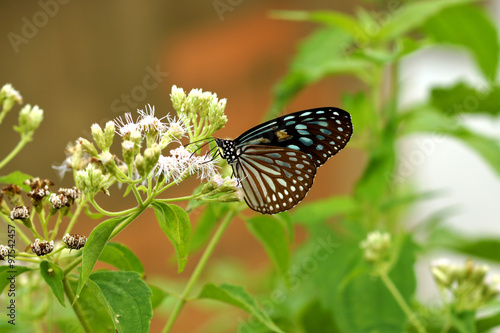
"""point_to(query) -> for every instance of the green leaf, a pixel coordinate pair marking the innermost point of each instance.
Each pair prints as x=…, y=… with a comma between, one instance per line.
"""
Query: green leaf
x=471, y=27
x=237, y=296
x=158, y=295
x=53, y=275
x=430, y=120
x=206, y=223
x=488, y=148
x=174, y=221
x=273, y=237
x=121, y=257
x=315, y=318
x=376, y=181
x=16, y=178
x=126, y=297
x=324, y=52
x=319, y=211
x=462, y=98
x=94, y=312
x=94, y=247
x=486, y=323
x=412, y=15
x=6, y=273
x=486, y=247
x=335, y=19
x=359, y=301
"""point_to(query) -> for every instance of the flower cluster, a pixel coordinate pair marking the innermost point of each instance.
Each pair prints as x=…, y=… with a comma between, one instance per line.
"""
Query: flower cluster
x=467, y=284
x=143, y=142
x=376, y=246
x=203, y=109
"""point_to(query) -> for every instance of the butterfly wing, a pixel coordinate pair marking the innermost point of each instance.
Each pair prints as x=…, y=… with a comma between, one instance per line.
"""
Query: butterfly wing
x=320, y=133
x=274, y=179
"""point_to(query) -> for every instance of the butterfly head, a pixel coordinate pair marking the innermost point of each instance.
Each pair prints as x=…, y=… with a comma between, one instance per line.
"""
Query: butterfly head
x=228, y=150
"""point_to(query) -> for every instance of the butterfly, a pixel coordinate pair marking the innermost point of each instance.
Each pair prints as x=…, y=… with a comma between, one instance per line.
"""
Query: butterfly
x=276, y=161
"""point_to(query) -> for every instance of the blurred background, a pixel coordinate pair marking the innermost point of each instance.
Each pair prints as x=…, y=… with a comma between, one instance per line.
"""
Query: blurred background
x=89, y=62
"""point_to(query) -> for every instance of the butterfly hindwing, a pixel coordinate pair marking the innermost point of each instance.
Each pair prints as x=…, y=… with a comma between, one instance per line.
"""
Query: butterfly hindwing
x=274, y=179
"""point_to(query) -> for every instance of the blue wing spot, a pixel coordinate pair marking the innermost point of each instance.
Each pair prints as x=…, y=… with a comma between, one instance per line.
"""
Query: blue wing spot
x=288, y=118
x=274, y=155
x=320, y=123
x=305, y=141
x=340, y=129
x=302, y=132
x=305, y=114
x=294, y=147
x=301, y=127
x=325, y=131
x=319, y=147
x=291, y=122
x=320, y=112
x=336, y=113
x=283, y=164
x=320, y=137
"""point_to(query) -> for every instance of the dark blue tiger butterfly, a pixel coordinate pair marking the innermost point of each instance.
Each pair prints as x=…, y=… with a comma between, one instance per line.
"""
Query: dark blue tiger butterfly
x=276, y=161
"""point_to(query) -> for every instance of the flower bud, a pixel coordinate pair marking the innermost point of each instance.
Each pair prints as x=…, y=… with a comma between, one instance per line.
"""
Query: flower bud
x=92, y=180
x=151, y=156
x=41, y=248
x=9, y=96
x=21, y=213
x=29, y=119
x=140, y=166
x=178, y=98
x=88, y=147
x=13, y=193
x=128, y=151
x=4, y=252
x=98, y=136
x=75, y=241
x=109, y=133
x=376, y=246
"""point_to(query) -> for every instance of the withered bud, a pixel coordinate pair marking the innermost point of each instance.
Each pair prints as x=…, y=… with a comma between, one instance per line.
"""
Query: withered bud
x=75, y=241
x=41, y=248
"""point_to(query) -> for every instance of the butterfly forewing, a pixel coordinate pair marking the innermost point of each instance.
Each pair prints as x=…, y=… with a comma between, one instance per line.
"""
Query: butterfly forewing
x=274, y=179
x=320, y=133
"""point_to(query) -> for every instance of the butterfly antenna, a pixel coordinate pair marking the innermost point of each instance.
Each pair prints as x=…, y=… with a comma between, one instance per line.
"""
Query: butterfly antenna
x=212, y=157
x=203, y=145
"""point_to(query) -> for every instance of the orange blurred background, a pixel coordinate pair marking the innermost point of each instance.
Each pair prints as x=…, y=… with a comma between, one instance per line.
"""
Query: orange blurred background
x=82, y=59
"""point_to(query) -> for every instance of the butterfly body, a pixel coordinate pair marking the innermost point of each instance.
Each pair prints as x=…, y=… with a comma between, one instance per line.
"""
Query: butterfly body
x=276, y=161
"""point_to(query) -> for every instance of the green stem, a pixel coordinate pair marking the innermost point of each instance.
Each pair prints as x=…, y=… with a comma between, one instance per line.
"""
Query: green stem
x=77, y=212
x=401, y=302
x=19, y=232
x=198, y=269
x=76, y=306
x=112, y=214
x=189, y=197
x=24, y=140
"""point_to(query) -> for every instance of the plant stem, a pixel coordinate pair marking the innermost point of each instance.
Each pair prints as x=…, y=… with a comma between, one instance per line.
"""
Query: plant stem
x=74, y=218
x=76, y=306
x=401, y=302
x=15, y=151
x=198, y=269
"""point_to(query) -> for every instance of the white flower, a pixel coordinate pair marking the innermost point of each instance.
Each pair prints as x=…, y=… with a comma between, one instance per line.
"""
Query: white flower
x=127, y=126
x=182, y=163
x=148, y=121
